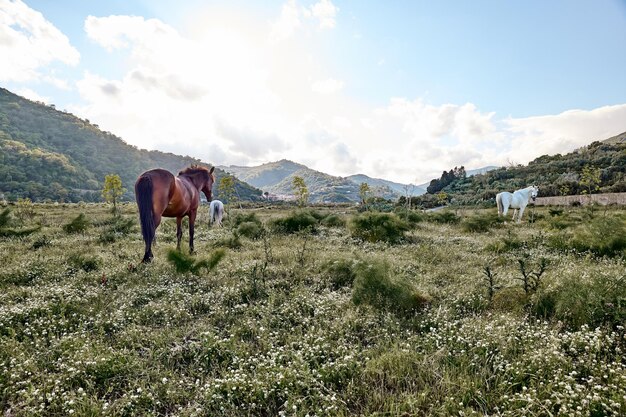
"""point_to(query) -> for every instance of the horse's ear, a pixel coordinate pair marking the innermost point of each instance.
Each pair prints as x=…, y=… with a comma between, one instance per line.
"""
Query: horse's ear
x=211, y=170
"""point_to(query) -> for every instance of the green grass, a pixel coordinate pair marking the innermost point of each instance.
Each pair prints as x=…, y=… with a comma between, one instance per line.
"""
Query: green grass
x=318, y=324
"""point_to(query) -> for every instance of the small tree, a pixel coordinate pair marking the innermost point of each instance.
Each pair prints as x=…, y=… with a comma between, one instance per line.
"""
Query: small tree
x=24, y=209
x=442, y=197
x=112, y=190
x=226, y=189
x=364, y=191
x=300, y=190
x=590, y=178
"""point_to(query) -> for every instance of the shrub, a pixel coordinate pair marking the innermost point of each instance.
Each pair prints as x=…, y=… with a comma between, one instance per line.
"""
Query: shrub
x=603, y=236
x=5, y=220
x=595, y=301
x=241, y=218
x=233, y=241
x=251, y=230
x=481, y=223
x=555, y=211
x=415, y=217
x=377, y=227
x=341, y=272
x=444, y=217
x=85, y=262
x=410, y=216
x=186, y=263
x=295, y=222
x=41, y=242
x=78, y=225
x=5, y=217
x=117, y=228
x=507, y=243
x=334, y=220
x=18, y=232
x=375, y=285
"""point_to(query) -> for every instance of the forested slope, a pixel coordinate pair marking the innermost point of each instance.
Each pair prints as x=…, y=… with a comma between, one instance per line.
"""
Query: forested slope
x=49, y=154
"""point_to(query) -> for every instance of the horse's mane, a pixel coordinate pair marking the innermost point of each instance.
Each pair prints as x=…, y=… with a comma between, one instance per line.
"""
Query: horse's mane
x=193, y=169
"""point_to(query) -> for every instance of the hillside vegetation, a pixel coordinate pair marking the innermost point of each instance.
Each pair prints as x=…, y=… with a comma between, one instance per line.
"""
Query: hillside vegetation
x=49, y=154
x=553, y=174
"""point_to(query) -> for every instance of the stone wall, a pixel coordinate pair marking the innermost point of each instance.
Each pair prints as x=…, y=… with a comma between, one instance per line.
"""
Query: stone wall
x=567, y=200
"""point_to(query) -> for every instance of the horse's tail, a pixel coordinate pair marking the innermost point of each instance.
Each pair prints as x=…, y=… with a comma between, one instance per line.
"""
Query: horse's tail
x=220, y=213
x=143, y=194
x=499, y=203
x=211, y=213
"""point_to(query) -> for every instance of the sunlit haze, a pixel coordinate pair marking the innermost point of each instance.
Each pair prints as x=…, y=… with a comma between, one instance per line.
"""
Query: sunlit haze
x=396, y=90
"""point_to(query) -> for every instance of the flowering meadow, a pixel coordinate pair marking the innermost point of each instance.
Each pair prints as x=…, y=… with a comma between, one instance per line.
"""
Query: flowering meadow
x=457, y=314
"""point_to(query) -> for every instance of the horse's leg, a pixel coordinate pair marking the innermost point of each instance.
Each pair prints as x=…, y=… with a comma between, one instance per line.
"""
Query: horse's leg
x=147, y=257
x=192, y=221
x=521, y=212
x=514, y=214
x=179, y=231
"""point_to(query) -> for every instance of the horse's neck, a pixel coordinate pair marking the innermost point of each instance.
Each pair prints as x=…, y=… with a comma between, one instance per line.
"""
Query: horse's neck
x=524, y=193
x=193, y=179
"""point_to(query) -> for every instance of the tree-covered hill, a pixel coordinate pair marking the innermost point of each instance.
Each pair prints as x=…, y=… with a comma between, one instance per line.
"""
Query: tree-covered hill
x=49, y=154
x=277, y=178
x=599, y=167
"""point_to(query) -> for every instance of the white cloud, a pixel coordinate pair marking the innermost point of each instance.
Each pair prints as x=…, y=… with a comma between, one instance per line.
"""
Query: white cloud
x=293, y=17
x=564, y=132
x=29, y=43
x=228, y=93
x=288, y=21
x=325, y=12
x=327, y=86
x=32, y=95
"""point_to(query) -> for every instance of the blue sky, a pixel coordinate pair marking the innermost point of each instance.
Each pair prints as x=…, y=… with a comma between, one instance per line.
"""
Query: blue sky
x=401, y=90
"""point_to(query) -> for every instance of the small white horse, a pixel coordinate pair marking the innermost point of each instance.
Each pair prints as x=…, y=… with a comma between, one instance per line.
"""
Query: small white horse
x=518, y=200
x=216, y=212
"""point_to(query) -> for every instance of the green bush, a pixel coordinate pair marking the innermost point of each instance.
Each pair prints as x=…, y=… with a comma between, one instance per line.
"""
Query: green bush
x=603, y=236
x=241, y=218
x=341, y=272
x=78, y=225
x=117, y=228
x=5, y=217
x=233, y=241
x=595, y=301
x=85, y=262
x=378, y=227
x=251, y=230
x=481, y=223
x=507, y=243
x=41, y=242
x=444, y=217
x=295, y=222
x=334, y=220
x=375, y=285
x=186, y=263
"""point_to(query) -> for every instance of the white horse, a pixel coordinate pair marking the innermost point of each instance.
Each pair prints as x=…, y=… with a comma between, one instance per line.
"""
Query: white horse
x=216, y=212
x=518, y=200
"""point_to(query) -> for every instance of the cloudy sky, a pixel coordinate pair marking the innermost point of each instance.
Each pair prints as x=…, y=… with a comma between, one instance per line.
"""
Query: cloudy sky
x=400, y=90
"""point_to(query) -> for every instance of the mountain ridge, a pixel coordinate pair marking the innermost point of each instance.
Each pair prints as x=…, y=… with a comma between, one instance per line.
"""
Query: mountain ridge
x=50, y=154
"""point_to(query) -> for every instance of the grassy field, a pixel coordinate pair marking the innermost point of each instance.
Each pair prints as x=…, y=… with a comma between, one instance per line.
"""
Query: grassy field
x=448, y=313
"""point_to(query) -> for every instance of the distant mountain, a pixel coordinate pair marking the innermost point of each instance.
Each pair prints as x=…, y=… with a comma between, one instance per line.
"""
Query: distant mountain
x=277, y=178
x=616, y=140
x=266, y=175
x=479, y=171
x=49, y=154
x=395, y=187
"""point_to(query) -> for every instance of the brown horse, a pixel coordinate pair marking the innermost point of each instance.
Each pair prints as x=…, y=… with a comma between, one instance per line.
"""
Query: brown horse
x=160, y=194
